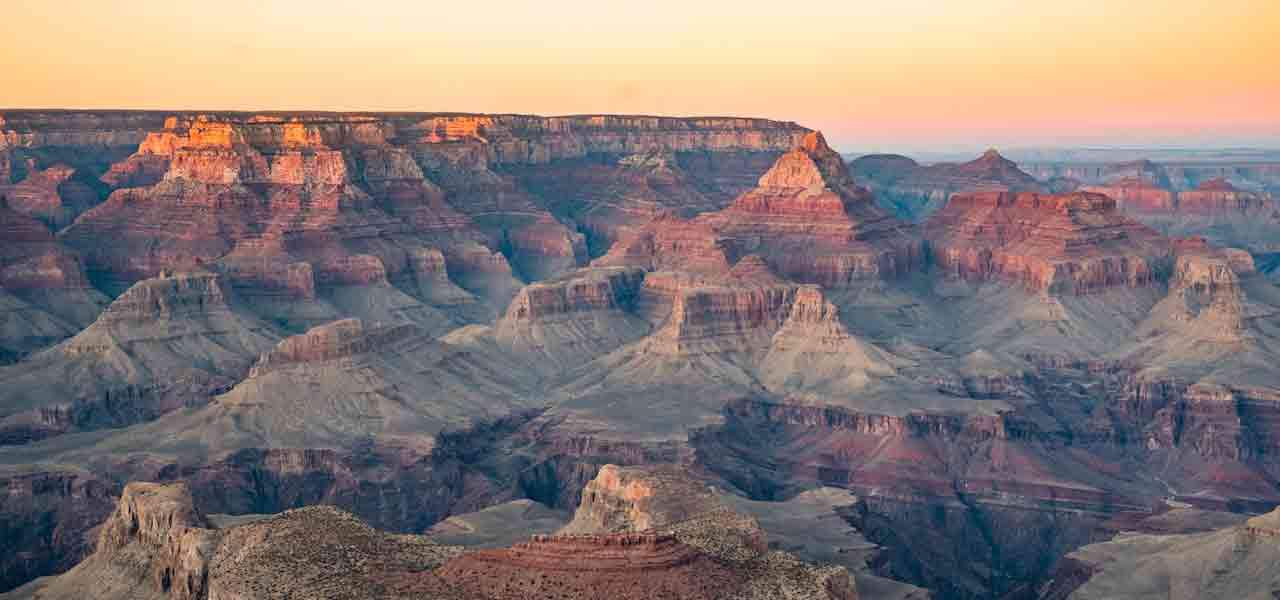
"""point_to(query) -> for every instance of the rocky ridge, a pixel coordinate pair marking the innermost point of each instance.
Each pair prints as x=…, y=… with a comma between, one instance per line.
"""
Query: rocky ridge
x=157, y=545
x=913, y=191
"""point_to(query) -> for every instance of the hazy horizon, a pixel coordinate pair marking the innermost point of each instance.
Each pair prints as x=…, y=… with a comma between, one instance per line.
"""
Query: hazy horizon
x=903, y=77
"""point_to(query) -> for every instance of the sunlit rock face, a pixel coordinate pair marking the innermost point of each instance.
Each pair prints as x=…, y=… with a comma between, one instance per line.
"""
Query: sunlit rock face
x=1071, y=243
x=427, y=319
x=806, y=219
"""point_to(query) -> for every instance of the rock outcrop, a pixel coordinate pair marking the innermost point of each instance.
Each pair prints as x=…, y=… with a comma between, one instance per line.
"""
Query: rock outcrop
x=157, y=545
x=54, y=195
x=914, y=192
x=1231, y=562
x=664, y=501
x=43, y=289
x=806, y=218
x=390, y=314
x=166, y=343
x=1076, y=243
x=563, y=322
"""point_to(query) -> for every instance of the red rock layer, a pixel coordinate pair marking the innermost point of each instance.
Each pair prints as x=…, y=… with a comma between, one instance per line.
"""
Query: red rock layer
x=1074, y=243
x=624, y=566
x=328, y=186
x=1217, y=197
x=1212, y=198
x=339, y=339
x=806, y=219
x=1138, y=196
x=610, y=289
x=51, y=195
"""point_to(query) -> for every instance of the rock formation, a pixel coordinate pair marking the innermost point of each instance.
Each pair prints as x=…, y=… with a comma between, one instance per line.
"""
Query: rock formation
x=563, y=322
x=157, y=545
x=54, y=195
x=806, y=218
x=913, y=191
x=1229, y=204
x=43, y=289
x=1231, y=562
x=391, y=314
x=166, y=343
x=1074, y=243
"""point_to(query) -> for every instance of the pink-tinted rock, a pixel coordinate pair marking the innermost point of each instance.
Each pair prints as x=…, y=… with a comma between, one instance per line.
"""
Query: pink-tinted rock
x=1074, y=243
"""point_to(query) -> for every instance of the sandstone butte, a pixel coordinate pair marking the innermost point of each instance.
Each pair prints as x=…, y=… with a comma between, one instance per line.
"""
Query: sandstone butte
x=1060, y=243
x=419, y=318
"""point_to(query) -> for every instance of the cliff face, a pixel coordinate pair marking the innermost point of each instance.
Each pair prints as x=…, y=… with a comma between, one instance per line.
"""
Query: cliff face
x=806, y=218
x=44, y=294
x=390, y=314
x=263, y=193
x=156, y=545
x=166, y=343
x=1075, y=243
x=563, y=322
x=1229, y=204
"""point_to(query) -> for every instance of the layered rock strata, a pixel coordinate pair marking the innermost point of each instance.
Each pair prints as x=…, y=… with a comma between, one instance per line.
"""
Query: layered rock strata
x=806, y=218
x=1076, y=243
x=166, y=343
x=43, y=289
x=913, y=191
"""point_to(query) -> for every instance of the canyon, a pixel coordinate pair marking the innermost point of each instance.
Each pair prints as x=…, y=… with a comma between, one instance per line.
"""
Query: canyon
x=466, y=354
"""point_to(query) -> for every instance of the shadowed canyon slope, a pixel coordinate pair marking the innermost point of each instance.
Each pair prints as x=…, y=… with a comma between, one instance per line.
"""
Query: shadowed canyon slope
x=437, y=323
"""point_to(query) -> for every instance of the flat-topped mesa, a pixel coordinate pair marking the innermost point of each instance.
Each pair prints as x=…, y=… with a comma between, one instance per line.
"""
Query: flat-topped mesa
x=260, y=267
x=168, y=297
x=565, y=322
x=640, y=499
x=76, y=129
x=339, y=339
x=1076, y=243
x=431, y=276
x=623, y=566
x=1218, y=198
x=1137, y=195
x=723, y=318
x=597, y=289
x=517, y=139
x=595, y=552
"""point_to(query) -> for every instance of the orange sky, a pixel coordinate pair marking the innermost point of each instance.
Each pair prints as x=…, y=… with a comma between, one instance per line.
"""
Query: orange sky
x=882, y=74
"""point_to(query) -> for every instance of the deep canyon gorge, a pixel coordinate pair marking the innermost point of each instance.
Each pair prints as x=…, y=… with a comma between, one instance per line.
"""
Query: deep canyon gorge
x=709, y=355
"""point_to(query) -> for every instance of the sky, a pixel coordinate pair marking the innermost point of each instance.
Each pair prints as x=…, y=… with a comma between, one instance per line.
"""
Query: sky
x=881, y=75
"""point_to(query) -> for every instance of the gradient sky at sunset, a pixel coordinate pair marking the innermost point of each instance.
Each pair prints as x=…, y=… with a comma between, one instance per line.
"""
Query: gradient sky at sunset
x=884, y=74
